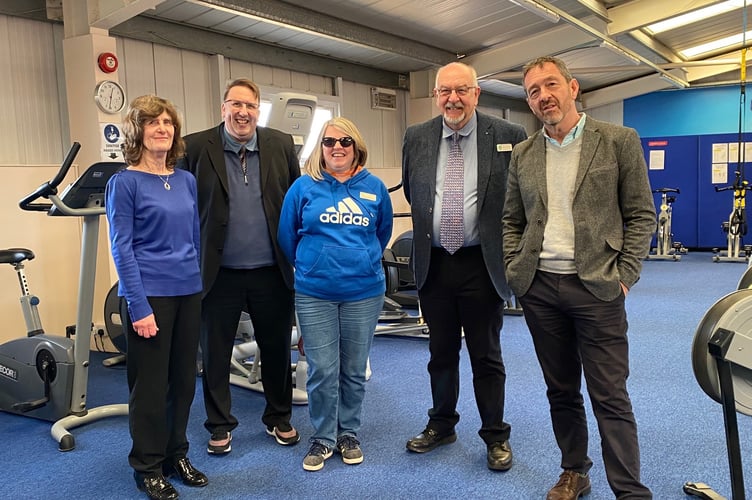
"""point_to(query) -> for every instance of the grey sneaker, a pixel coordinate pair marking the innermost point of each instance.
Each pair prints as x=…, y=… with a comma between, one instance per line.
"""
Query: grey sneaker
x=349, y=448
x=314, y=460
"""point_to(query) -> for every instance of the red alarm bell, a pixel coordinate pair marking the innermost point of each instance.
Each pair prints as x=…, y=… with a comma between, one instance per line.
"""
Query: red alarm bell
x=107, y=62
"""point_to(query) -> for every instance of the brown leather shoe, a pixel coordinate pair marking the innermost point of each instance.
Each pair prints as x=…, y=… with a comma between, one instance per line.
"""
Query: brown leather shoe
x=571, y=486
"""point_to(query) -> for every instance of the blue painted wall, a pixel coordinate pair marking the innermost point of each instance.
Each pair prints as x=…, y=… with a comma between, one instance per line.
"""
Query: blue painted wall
x=687, y=112
x=685, y=124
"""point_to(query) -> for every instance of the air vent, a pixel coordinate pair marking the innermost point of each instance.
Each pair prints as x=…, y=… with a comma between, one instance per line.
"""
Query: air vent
x=383, y=98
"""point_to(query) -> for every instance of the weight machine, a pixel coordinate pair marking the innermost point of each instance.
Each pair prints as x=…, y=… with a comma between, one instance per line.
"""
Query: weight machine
x=401, y=292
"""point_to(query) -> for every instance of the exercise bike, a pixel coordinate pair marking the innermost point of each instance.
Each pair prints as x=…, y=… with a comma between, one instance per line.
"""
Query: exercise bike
x=45, y=376
x=665, y=246
x=736, y=226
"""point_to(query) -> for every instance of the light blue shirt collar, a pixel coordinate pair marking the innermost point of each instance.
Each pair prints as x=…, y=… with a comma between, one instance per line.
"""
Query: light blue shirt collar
x=231, y=144
x=571, y=136
x=464, y=131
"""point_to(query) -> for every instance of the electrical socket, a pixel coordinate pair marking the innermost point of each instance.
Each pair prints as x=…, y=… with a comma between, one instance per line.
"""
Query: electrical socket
x=100, y=341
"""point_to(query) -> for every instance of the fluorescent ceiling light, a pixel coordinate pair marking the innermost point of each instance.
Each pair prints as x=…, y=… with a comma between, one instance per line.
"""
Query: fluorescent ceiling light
x=695, y=16
x=618, y=50
x=538, y=9
x=721, y=43
x=676, y=82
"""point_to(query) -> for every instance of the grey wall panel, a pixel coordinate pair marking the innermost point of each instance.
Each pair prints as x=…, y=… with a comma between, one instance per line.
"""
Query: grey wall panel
x=30, y=131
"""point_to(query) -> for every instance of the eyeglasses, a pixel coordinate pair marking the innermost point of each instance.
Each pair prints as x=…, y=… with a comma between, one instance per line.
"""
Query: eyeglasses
x=460, y=91
x=330, y=142
x=238, y=105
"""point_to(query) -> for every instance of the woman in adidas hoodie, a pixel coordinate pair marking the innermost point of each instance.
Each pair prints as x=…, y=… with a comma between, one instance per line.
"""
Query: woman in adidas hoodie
x=336, y=222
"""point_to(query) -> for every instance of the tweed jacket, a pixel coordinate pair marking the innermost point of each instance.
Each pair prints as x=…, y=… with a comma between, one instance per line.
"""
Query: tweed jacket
x=205, y=158
x=420, y=152
x=612, y=208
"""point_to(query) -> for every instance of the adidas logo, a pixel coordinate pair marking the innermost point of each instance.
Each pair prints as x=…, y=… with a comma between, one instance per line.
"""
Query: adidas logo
x=346, y=212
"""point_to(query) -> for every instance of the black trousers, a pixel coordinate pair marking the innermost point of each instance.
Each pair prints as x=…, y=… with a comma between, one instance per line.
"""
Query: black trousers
x=270, y=304
x=573, y=331
x=162, y=380
x=459, y=295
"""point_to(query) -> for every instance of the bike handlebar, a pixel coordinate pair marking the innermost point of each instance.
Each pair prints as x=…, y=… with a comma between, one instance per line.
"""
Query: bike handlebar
x=745, y=187
x=666, y=190
x=49, y=188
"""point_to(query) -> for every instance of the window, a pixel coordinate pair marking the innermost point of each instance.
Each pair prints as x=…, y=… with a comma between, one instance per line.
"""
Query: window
x=324, y=112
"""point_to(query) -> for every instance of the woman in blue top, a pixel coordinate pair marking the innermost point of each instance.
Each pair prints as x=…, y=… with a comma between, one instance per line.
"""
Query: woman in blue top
x=336, y=222
x=154, y=236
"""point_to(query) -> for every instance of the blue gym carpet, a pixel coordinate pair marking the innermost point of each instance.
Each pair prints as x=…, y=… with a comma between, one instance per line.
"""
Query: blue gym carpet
x=680, y=428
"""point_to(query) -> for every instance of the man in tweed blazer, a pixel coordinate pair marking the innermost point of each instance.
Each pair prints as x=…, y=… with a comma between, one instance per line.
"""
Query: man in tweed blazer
x=578, y=220
x=461, y=290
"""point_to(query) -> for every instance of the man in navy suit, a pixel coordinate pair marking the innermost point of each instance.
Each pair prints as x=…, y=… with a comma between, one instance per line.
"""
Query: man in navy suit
x=461, y=289
x=578, y=220
x=243, y=172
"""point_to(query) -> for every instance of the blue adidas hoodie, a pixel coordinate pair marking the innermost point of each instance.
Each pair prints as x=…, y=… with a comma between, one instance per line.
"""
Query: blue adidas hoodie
x=335, y=233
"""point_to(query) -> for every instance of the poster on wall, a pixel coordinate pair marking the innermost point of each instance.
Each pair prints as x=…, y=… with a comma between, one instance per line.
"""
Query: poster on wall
x=720, y=153
x=720, y=173
x=111, y=138
x=657, y=159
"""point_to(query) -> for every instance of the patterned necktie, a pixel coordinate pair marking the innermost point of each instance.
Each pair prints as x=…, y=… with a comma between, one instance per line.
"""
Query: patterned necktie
x=452, y=226
x=243, y=164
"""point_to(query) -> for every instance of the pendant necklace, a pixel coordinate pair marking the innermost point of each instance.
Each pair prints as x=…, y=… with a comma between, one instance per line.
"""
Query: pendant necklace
x=166, y=181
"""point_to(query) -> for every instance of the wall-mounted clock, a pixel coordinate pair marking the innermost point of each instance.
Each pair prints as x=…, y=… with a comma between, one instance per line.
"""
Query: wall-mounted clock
x=107, y=62
x=109, y=96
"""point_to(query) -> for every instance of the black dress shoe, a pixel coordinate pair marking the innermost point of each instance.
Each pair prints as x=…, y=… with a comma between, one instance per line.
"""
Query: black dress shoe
x=190, y=475
x=430, y=439
x=499, y=456
x=155, y=485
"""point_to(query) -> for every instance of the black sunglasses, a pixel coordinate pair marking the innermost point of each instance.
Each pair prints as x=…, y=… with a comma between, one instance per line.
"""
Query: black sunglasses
x=330, y=142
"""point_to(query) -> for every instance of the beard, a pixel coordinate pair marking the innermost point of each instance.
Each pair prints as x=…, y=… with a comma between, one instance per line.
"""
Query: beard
x=552, y=116
x=454, y=120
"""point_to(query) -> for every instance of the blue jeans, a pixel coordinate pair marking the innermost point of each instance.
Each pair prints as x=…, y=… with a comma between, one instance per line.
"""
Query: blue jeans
x=337, y=339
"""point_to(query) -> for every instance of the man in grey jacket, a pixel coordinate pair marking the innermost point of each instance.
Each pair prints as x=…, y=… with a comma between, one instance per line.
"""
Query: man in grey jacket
x=578, y=220
x=460, y=158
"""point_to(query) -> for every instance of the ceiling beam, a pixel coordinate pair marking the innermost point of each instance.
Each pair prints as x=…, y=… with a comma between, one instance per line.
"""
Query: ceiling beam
x=186, y=37
x=655, y=46
x=596, y=8
x=701, y=72
x=622, y=91
x=597, y=32
x=514, y=54
x=105, y=14
x=310, y=21
x=80, y=16
x=638, y=13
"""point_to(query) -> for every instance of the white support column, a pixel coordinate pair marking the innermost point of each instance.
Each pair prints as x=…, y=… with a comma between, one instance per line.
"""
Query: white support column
x=82, y=46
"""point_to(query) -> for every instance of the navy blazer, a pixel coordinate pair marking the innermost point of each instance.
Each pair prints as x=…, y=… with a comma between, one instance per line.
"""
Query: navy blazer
x=205, y=158
x=420, y=151
x=612, y=208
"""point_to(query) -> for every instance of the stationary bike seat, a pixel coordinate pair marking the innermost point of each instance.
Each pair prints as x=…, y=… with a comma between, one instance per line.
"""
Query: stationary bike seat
x=15, y=255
